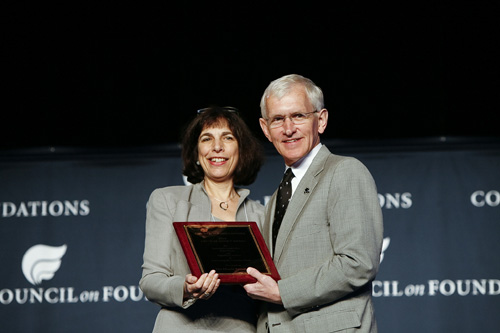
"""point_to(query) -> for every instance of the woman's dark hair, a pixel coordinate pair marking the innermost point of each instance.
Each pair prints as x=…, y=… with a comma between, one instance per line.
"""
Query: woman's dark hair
x=251, y=156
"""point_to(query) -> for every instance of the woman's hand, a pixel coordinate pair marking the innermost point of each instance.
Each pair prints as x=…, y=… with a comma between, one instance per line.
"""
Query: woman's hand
x=201, y=288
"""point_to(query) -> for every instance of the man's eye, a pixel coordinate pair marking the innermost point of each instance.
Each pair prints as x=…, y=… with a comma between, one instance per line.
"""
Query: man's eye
x=277, y=119
x=298, y=116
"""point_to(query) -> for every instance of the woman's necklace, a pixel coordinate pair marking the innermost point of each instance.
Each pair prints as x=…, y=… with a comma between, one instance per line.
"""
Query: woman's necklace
x=224, y=205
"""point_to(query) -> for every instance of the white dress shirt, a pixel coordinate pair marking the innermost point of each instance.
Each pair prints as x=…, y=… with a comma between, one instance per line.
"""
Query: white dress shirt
x=300, y=167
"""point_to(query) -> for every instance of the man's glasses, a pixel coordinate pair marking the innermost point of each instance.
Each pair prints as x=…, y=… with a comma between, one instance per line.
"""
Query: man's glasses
x=297, y=118
x=225, y=108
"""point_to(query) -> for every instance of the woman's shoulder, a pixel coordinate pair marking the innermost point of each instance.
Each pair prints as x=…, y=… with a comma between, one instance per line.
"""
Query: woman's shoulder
x=245, y=194
x=176, y=191
x=254, y=205
x=256, y=211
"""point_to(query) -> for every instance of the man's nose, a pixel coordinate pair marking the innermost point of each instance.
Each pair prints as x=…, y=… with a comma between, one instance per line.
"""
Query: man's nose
x=288, y=126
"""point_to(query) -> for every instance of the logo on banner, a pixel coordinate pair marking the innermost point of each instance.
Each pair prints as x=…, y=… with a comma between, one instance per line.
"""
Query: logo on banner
x=185, y=180
x=385, y=245
x=41, y=262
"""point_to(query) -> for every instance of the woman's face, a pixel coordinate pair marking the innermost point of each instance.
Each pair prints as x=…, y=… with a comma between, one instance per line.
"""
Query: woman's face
x=218, y=152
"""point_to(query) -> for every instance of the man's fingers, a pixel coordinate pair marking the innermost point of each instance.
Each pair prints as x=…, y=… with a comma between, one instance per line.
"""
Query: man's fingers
x=255, y=273
x=251, y=288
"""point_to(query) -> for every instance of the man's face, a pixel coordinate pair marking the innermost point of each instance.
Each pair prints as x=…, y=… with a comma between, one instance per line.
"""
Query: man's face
x=293, y=141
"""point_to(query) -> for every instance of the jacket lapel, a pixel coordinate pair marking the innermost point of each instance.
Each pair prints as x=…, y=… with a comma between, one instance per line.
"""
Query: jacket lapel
x=298, y=201
x=268, y=222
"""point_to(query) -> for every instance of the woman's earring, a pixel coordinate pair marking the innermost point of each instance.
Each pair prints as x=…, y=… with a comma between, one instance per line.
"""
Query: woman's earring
x=197, y=162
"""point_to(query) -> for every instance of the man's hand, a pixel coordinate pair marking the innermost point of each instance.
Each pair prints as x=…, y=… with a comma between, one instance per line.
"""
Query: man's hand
x=265, y=289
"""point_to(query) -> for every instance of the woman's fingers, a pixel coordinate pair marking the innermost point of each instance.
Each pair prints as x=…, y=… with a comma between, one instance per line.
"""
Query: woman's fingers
x=191, y=279
x=204, y=286
x=211, y=284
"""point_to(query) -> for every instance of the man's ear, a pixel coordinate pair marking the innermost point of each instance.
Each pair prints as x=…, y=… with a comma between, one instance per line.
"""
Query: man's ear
x=265, y=129
x=322, y=120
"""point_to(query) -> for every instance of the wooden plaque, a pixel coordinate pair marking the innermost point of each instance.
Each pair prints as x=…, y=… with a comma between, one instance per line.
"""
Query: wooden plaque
x=227, y=247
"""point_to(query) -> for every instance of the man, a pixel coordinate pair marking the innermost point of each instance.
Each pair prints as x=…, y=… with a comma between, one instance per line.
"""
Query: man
x=327, y=248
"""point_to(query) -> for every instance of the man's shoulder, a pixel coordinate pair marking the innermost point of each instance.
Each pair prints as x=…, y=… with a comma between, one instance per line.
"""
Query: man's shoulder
x=329, y=161
x=333, y=158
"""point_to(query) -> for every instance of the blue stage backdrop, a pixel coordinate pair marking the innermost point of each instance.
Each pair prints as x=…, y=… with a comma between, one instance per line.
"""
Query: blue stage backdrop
x=72, y=236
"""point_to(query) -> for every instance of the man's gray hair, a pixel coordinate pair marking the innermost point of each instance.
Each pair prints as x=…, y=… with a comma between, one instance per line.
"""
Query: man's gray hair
x=282, y=86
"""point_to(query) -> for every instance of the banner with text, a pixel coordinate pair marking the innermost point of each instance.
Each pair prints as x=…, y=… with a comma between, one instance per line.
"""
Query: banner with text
x=72, y=238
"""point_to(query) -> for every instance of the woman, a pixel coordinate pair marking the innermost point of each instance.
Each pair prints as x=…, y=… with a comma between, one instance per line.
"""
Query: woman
x=218, y=152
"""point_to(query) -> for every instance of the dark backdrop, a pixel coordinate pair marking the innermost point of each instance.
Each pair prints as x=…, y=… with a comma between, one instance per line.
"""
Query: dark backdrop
x=122, y=75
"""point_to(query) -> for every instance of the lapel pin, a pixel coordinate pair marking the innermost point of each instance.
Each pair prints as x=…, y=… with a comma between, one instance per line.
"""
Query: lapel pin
x=306, y=191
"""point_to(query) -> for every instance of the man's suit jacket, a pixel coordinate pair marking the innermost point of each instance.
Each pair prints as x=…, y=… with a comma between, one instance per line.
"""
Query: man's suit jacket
x=327, y=251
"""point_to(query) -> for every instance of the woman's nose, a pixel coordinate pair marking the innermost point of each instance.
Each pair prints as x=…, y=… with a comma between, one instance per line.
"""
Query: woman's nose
x=218, y=146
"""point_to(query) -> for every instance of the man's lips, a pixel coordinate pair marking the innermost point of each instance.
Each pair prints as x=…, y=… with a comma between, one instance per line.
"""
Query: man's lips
x=290, y=140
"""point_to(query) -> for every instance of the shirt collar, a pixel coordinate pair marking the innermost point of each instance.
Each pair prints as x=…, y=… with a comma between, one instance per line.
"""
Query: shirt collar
x=300, y=167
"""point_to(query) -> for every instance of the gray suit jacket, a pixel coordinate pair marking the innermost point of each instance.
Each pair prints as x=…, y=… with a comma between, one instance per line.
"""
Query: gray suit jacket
x=165, y=265
x=327, y=250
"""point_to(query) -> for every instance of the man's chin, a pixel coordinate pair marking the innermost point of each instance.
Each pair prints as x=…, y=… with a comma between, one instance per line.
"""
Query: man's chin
x=291, y=159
